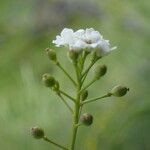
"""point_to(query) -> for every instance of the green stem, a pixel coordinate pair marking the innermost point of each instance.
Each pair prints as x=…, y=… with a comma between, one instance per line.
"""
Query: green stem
x=81, y=107
x=89, y=67
x=83, y=57
x=58, y=145
x=95, y=99
x=88, y=85
x=79, y=124
x=65, y=94
x=70, y=109
x=76, y=108
x=75, y=120
x=65, y=72
x=77, y=73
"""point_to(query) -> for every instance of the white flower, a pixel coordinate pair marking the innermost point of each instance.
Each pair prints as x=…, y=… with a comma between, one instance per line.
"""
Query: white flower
x=68, y=38
x=94, y=40
x=87, y=39
x=104, y=48
x=89, y=36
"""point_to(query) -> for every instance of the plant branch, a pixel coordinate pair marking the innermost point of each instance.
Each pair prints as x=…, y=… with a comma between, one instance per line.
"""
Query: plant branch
x=65, y=72
x=83, y=58
x=76, y=107
x=58, y=145
x=95, y=99
x=70, y=109
x=79, y=124
x=77, y=72
x=65, y=94
x=81, y=107
x=89, y=67
x=75, y=121
x=88, y=85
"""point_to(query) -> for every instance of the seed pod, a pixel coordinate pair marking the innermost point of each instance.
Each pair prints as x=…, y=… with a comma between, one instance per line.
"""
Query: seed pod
x=100, y=71
x=119, y=91
x=37, y=132
x=48, y=80
x=86, y=119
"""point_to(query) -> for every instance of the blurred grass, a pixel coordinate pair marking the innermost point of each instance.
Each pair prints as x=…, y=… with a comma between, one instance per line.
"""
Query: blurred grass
x=28, y=27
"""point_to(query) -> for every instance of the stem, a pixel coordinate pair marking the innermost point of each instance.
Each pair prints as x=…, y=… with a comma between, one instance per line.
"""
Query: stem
x=58, y=145
x=65, y=72
x=95, y=99
x=66, y=103
x=75, y=120
x=77, y=72
x=79, y=124
x=76, y=107
x=90, y=66
x=83, y=57
x=81, y=107
x=65, y=94
x=88, y=85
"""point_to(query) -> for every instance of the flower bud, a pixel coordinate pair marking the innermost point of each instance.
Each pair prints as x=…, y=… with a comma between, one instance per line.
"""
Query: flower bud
x=73, y=55
x=84, y=95
x=99, y=71
x=51, y=54
x=86, y=119
x=37, y=132
x=48, y=80
x=119, y=91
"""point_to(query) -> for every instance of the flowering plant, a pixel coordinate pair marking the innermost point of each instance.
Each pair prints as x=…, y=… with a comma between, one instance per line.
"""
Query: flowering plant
x=81, y=44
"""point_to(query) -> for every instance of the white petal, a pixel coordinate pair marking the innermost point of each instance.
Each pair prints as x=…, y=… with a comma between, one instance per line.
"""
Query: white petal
x=89, y=30
x=66, y=31
x=113, y=48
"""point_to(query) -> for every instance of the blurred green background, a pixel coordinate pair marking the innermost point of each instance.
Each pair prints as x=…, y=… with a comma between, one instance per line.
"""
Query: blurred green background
x=28, y=27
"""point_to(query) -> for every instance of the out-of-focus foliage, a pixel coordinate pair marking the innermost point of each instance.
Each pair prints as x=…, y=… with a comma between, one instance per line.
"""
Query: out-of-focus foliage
x=28, y=27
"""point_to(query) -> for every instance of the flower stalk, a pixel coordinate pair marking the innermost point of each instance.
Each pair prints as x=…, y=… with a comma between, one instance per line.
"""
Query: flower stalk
x=66, y=73
x=67, y=95
x=84, y=75
x=67, y=105
x=76, y=109
x=54, y=143
x=88, y=85
x=95, y=99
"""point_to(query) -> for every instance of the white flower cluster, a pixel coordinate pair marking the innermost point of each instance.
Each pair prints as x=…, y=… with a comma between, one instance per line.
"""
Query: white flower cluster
x=87, y=39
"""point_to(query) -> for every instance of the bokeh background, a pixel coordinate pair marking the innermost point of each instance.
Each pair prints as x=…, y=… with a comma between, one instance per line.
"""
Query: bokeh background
x=28, y=27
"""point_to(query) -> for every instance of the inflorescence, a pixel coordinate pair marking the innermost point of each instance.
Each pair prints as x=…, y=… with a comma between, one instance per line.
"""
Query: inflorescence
x=83, y=45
